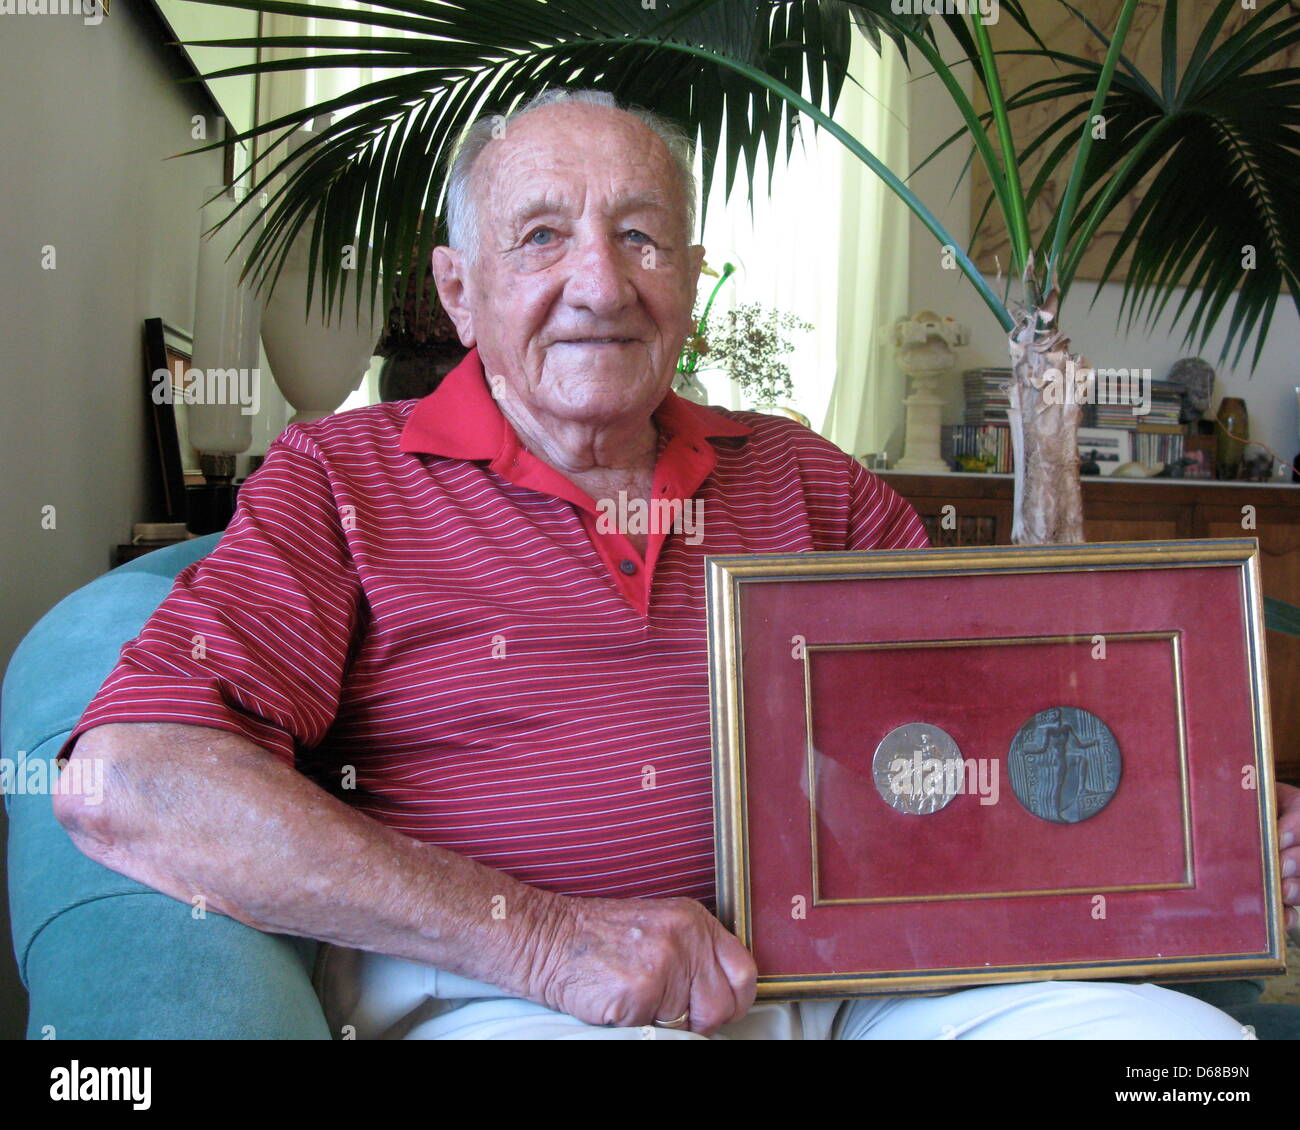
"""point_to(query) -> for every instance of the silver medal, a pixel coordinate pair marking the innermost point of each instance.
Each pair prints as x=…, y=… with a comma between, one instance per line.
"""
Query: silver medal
x=918, y=768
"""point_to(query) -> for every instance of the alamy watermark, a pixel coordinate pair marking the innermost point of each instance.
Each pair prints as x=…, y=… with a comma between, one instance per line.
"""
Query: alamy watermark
x=90, y=11
x=922, y=777
x=210, y=386
x=986, y=11
x=661, y=516
x=1080, y=384
x=80, y=1082
x=43, y=776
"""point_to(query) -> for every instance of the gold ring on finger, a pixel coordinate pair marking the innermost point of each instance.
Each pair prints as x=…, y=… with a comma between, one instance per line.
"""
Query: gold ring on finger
x=679, y=1022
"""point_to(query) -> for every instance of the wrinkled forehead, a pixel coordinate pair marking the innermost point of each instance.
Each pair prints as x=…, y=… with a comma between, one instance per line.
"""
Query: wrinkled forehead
x=576, y=156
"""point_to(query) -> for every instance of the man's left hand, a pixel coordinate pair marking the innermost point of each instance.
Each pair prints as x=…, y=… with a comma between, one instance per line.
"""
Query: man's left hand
x=1288, y=832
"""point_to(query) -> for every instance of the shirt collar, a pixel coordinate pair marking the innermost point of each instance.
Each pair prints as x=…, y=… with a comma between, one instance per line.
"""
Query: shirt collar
x=461, y=420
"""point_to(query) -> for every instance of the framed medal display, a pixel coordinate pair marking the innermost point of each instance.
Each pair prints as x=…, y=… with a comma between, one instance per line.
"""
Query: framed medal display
x=947, y=767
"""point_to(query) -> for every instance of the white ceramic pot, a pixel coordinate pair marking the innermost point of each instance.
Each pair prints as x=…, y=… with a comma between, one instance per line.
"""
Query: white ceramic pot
x=317, y=365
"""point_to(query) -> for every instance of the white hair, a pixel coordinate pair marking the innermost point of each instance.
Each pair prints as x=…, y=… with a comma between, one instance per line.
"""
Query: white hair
x=462, y=215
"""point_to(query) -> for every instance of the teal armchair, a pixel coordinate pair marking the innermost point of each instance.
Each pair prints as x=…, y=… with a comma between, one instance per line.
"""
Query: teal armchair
x=102, y=956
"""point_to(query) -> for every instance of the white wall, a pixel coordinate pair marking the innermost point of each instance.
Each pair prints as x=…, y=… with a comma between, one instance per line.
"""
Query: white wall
x=193, y=22
x=91, y=114
x=1269, y=394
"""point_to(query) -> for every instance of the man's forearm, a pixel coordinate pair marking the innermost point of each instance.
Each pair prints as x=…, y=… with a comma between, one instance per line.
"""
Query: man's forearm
x=200, y=813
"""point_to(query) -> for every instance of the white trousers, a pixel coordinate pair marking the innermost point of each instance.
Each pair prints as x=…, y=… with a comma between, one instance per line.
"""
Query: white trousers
x=370, y=996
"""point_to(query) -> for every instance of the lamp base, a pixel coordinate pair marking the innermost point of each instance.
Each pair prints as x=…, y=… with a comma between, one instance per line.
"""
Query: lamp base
x=217, y=466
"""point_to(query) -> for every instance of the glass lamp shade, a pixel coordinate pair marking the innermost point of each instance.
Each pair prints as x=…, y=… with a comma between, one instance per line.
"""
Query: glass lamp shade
x=226, y=315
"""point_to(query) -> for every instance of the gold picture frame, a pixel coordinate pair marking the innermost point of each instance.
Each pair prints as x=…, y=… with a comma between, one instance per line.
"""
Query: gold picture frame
x=1175, y=571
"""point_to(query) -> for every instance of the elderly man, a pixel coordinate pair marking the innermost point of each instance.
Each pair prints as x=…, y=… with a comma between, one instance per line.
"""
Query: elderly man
x=406, y=706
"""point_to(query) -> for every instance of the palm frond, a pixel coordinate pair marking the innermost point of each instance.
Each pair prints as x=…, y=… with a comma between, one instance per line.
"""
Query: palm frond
x=1222, y=141
x=489, y=56
x=1221, y=138
x=737, y=72
x=1105, y=77
x=1279, y=616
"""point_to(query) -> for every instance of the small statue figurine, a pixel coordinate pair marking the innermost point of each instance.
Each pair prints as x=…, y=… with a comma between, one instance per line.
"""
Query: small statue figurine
x=925, y=353
x=1196, y=380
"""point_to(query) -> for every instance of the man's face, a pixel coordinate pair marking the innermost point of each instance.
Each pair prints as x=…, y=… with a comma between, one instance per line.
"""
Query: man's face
x=581, y=293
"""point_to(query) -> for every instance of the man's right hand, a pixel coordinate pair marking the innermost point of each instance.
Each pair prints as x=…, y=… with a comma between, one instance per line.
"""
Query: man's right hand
x=630, y=962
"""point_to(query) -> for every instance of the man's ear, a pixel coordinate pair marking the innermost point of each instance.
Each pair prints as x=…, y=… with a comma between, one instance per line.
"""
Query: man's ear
x=449, y=272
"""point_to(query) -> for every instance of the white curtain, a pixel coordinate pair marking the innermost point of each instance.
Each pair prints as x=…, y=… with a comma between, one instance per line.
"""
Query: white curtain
x=285, y=91
x=829, y=244
x=866, y=403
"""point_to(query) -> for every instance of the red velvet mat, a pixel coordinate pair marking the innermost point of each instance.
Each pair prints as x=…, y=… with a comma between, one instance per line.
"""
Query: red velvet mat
x=981, y=695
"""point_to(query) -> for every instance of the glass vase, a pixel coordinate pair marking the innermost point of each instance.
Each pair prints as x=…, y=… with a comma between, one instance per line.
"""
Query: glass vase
x=1231, y=435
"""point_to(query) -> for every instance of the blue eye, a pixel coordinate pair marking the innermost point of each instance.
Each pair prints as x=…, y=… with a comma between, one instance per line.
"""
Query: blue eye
x=640, y=235
x=533, y=240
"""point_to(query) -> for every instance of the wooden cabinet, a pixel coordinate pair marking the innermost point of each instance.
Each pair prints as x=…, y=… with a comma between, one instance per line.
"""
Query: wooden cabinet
x=1137, y=510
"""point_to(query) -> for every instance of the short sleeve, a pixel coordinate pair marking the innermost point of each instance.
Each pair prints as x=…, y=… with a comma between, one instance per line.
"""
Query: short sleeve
x=255, y=637
x=879, y=517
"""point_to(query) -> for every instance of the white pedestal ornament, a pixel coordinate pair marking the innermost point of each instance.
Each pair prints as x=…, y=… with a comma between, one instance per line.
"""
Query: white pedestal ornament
x=925, y=354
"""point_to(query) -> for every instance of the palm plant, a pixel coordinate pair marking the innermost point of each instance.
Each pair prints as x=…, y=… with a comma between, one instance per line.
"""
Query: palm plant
x=1221, y=138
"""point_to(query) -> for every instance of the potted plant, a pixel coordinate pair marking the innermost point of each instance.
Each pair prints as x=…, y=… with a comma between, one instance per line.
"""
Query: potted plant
x=420, y=345
x=750, y=344
x=696, y=347
x=1218, y=134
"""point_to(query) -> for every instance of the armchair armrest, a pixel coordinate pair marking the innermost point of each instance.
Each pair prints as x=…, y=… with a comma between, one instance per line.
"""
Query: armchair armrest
x=103, y=956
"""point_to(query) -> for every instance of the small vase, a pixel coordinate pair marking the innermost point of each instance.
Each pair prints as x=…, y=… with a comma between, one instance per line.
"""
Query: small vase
x=771, y=408
x=316, y=361
x=689, y=387
x=1233, y=432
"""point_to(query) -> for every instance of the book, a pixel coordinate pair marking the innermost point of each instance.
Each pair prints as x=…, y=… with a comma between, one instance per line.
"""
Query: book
x=986, y=396
x=977, y=447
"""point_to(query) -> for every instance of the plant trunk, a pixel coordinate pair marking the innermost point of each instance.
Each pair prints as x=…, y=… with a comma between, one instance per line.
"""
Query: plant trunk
x=1044, y=419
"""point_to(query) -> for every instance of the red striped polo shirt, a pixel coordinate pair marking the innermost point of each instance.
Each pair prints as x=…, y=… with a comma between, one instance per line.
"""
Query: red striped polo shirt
x=409, y=602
